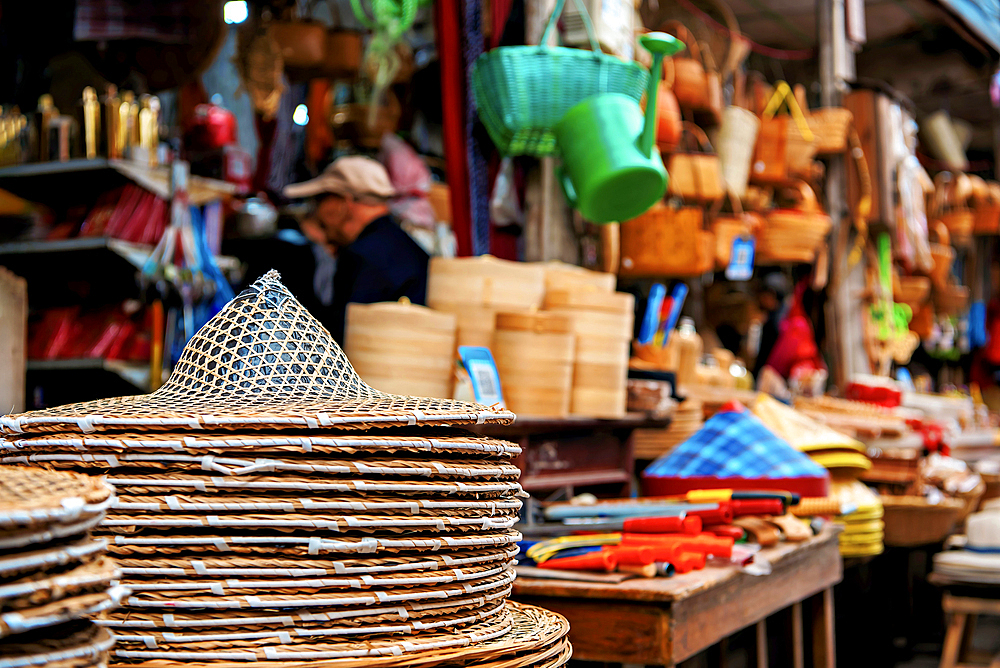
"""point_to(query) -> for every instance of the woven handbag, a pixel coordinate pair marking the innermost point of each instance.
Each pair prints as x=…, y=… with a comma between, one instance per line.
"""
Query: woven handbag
x=521, y=92
x=695, y=173
x=666, y=241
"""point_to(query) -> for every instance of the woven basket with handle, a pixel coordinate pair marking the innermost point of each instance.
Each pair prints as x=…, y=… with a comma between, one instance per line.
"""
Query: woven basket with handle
x=521, y=92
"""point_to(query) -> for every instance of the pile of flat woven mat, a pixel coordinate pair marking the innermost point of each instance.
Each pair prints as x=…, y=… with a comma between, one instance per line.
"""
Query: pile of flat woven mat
x=274, y=508
x=53, y=576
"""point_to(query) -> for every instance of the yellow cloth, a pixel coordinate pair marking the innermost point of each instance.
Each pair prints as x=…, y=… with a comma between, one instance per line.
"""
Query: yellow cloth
x=801, y=431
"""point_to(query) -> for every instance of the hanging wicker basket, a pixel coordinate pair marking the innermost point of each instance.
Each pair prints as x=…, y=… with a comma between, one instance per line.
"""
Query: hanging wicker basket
x=521, y=92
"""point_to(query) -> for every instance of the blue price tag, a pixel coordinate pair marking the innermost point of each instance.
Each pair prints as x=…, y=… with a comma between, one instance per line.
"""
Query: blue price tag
x=482, y=370
x=741, y=259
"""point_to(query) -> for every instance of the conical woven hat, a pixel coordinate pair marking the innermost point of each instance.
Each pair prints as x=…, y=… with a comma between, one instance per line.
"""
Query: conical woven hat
x=263, y=361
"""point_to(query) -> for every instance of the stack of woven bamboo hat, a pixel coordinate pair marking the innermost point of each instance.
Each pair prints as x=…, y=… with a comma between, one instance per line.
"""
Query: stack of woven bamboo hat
x=845, y=458
x=53, y=575
x=272, y=507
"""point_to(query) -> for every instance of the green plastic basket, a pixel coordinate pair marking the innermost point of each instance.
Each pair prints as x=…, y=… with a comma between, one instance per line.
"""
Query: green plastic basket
x=521, y=92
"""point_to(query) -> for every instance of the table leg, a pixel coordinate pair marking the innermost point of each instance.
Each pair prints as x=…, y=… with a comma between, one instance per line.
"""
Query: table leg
x=953, y=640
x=798, y=654
x=762, y=644
x=967, y=635
x=824, y=644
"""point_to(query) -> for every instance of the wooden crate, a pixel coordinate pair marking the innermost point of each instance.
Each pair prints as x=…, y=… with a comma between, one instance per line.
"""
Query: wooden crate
x=13, y=341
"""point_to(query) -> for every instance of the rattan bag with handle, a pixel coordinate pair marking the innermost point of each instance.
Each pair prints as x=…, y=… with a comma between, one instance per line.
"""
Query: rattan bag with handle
x=694, y=173
x=521, y=92
x=986, y=208
x=727, y=227
x=785, y=144
x=950, y=205
x=736, y=142
x=794, y=234
x=691, y=80
x=667, y=240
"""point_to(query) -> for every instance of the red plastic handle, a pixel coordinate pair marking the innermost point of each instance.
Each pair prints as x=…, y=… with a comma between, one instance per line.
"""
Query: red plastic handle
x=654, y=525
x=598, y=560
x=743, y=507
x=721, y=515
x=725, y=531
x=633, y=556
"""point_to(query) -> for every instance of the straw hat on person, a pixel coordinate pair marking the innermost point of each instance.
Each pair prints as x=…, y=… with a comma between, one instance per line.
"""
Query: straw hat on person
x=356, y=176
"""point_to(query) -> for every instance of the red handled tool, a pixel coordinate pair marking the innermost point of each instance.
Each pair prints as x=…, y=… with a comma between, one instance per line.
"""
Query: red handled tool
x=598, y=560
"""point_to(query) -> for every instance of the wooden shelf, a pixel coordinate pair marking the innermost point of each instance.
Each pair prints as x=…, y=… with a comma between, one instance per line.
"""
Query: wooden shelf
x=71, y=271
x=75, y=181
x=57, y=382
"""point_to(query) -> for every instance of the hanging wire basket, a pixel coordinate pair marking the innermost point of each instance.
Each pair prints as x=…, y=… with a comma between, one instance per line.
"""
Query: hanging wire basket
x=522, y=92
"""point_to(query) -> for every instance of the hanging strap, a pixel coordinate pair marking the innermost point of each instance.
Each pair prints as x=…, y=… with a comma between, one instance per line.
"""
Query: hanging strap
x=864, y=207
x=783, y=95
x=584, y=14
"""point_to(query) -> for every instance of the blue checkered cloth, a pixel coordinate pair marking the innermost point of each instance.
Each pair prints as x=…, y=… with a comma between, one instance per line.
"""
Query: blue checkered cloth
x=735, y=444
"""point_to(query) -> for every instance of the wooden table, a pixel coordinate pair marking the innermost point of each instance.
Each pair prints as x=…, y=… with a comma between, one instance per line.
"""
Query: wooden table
x=663, y=621
x=573, y=451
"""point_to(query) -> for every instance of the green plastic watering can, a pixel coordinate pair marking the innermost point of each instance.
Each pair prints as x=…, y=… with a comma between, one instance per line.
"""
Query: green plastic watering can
x=610, y=171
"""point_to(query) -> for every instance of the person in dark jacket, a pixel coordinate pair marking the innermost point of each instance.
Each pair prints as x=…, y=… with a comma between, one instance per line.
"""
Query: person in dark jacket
x=377, y=261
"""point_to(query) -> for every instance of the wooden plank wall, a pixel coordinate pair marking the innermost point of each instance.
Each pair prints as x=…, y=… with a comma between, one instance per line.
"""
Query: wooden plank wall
x=13, y=341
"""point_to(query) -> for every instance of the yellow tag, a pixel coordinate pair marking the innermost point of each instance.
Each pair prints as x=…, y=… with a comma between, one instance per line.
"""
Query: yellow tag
x=700, y=495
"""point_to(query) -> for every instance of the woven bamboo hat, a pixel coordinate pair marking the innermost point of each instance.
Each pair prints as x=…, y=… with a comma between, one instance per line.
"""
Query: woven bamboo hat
x=262, y=362
x=54, y=577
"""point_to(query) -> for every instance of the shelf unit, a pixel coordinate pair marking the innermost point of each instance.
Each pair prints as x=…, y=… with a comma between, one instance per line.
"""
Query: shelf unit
x=71, y=380
x=88, y=270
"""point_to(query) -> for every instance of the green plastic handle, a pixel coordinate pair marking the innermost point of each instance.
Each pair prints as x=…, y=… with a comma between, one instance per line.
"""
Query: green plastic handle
x=567, y=187
x=660, y=44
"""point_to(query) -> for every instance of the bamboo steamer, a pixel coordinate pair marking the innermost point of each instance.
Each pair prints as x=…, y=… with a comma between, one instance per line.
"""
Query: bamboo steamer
x=485, y=282
x=534, y=353
x=476, y=324
x=603, y=325
x=402, y=348
x=563, y=276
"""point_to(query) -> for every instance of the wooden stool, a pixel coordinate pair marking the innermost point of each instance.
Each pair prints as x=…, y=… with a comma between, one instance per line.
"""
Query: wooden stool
x=962, y=609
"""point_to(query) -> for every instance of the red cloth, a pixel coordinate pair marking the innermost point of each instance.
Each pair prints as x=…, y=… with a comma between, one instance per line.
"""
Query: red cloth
x=449, y=43
x=796, y=344
x=167, y=21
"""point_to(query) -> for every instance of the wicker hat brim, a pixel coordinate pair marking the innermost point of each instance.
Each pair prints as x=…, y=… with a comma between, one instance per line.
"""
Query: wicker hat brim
x=196, y=503
x=194, y=620
x=155, y=413
x=285, y=579
x=490, y=629
x=369, y=524
x=230, y=566
x=234, y=466
x=11, y=540
x=305, y=442
x=42, y=647
x=222, y=484
x=39, y=588
x=250, y=638
x=292, y=596
x=34, y=497
x=55, y=556
x=301, y=545
x=83, y=606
